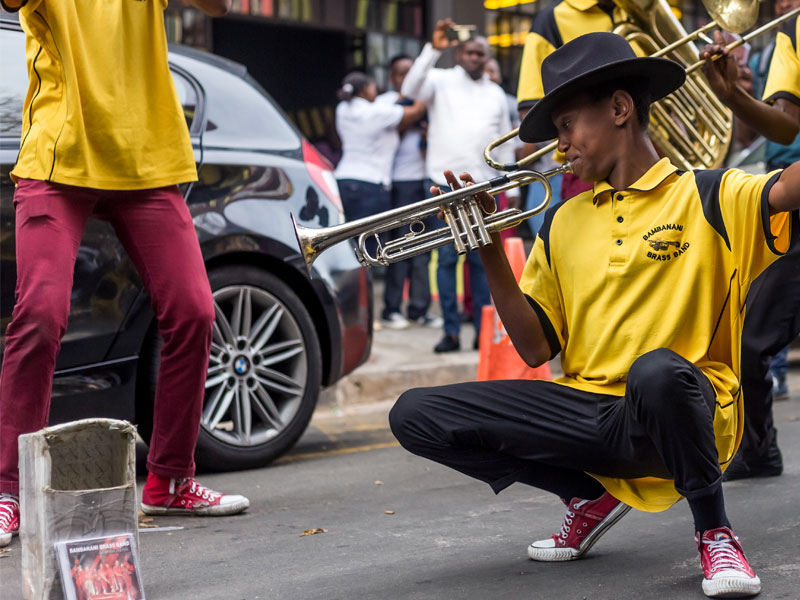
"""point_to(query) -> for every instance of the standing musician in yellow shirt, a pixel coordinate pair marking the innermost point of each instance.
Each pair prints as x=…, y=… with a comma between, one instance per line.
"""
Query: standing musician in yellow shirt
x=104, y=136
x=640, y=284
x=773, y=306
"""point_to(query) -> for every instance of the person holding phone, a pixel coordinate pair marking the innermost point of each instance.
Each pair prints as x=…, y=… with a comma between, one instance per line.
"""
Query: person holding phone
x=466, y=111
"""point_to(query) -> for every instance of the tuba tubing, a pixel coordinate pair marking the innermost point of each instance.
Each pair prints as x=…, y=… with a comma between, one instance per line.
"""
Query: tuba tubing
x=707, y=152
x=468, y=226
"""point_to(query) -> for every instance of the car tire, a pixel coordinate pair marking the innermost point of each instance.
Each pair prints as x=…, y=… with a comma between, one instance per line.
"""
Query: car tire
x=274, y=369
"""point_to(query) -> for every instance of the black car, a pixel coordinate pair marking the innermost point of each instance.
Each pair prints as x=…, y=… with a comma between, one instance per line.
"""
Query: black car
x=279, y=336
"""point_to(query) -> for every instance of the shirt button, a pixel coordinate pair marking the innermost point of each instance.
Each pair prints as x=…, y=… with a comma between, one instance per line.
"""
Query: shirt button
x=620, y=219
x=620, y=196
x=619, y=242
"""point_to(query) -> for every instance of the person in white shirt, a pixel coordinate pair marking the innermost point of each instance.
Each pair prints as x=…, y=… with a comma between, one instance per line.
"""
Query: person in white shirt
x=369, y=134
x=466, y=111
x=408, y=186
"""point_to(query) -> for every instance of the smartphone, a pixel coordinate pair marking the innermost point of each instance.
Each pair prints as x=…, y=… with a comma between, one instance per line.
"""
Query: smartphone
x=461, y=33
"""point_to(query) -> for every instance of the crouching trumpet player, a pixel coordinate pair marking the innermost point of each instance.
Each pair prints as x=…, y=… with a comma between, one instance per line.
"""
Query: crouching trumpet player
x=640, y=284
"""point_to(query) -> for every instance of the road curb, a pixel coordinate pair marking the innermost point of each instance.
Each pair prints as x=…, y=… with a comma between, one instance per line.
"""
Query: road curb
x=365, y=385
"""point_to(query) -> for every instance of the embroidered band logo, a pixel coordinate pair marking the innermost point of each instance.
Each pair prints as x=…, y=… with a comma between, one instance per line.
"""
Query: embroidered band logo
x=662, y=249
x=659, y=245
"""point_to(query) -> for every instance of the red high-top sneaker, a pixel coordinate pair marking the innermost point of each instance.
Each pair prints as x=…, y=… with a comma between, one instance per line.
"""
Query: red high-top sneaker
x=584, y=523
x=164, y=496
x=726, y=571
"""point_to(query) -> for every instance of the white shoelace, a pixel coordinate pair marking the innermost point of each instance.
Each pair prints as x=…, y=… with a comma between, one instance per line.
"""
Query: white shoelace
x=203, y=492
x=565, y=526
x=724, y=555
x=7, y=510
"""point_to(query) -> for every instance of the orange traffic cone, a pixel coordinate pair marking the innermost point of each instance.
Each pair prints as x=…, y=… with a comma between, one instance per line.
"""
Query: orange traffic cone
x=515, y=252
x=498, y=359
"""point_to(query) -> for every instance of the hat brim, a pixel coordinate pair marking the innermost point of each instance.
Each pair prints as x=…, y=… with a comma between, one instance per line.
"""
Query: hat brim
x=663, y=76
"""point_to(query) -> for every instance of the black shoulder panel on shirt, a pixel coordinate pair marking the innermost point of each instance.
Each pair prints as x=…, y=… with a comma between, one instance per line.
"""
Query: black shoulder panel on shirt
x=544, y=230
x=544, y=23
x=708, y=182
x=790, y=29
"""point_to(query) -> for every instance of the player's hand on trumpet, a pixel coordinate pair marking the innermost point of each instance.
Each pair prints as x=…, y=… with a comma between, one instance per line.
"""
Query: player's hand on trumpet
x=485, y=200
x=722, y=73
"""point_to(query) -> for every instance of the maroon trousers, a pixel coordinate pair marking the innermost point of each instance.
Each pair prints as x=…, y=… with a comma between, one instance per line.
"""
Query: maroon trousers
x=156, y=229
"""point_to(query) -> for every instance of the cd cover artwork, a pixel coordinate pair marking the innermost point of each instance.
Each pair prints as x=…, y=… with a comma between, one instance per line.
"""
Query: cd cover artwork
x=103, y=568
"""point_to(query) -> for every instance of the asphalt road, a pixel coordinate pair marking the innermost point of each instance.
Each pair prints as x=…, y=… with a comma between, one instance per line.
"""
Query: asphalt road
x=399, y=527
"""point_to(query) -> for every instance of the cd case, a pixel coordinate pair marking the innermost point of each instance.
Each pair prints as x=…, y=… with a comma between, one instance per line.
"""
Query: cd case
x=104, y=568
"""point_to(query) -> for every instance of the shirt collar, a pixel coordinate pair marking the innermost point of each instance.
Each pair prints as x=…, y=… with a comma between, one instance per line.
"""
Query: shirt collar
x=581, y=5
x=653, y=178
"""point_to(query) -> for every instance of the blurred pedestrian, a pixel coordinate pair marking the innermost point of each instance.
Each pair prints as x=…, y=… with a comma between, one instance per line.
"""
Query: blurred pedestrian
x=408, y=187
x=466, y=111
x=369, y=134
x=772, y=318
x=104, y=136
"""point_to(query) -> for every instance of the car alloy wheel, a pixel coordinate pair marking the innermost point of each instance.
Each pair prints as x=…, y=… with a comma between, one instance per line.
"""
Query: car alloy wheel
x=264, y=371
x=258, y=365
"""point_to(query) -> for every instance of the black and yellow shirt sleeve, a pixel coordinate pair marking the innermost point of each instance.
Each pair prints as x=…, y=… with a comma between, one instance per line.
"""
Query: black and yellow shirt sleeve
x=539, y=283
x=783, y=80
x=755, y=236
x=551, y=29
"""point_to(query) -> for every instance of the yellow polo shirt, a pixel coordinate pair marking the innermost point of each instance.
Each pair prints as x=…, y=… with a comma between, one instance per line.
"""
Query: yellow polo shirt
x=666, y=263
x=783, y=79
x=101, y=110
x=551, y=29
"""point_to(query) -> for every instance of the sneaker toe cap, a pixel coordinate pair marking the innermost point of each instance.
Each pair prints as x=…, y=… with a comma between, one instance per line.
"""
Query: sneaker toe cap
x=234, y=500
x=548, y=543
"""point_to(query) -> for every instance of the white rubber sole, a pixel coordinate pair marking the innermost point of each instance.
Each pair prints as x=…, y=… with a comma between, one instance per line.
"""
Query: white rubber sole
x=5, y=538
x=221, y=510
x=731, y=587
x=556, y=554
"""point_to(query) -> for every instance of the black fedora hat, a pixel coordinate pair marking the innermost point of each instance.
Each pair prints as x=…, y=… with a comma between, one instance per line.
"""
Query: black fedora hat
x=585, y=62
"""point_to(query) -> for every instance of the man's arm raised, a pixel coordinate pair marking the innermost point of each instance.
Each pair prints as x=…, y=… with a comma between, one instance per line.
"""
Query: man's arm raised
x=785, y=194
x=779, y=122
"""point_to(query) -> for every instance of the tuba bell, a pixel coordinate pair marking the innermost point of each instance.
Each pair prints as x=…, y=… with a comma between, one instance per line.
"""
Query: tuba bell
x=691, y=126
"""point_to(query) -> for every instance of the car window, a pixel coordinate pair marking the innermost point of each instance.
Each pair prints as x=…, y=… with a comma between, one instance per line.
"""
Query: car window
x=239, y=115
x=188, y=97
x=13, y=83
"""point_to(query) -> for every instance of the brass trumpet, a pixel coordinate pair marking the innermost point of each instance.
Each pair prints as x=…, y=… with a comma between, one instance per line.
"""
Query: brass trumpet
x=468, y=226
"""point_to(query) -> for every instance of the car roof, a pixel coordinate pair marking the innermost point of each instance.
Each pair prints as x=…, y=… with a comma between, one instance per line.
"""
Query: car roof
x=211, y=59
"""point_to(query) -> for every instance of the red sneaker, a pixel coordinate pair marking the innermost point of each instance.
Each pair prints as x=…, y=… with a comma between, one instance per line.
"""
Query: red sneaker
x=584, y=523
x=726, y=571
x=164, y=496
x=9, y=518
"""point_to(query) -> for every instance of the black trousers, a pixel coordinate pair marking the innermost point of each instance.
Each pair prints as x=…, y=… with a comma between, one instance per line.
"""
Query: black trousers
x=546, y=435
x=772, y=321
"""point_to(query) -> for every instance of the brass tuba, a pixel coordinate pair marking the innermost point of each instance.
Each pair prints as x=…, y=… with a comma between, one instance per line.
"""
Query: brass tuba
x=690, y=126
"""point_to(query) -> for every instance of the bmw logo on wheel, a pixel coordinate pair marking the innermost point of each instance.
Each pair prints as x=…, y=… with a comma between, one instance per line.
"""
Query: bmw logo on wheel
x=241, y=365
